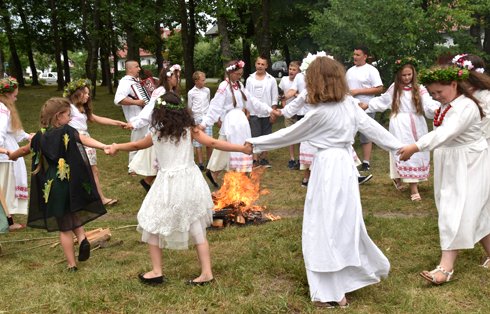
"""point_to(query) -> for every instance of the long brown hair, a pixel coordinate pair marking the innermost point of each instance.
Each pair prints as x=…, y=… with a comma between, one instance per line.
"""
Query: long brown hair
x=416, y=101
x=15, y=123
x=325, y=81
x=163, y=81
x=76, y=99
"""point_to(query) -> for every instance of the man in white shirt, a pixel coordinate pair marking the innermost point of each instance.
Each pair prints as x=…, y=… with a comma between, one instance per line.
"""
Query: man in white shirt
x=130, y=95
x=364, y=83
x=263, y=86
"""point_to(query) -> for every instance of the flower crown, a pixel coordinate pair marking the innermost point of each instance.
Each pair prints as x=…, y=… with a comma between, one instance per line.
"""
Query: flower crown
x=237, y=65
x=462, y=62
x=310, y=58
x=72, y=87
x=8, y=85
x=400, y=63
x=175, y=67
x=159, y=102
x=446, y=74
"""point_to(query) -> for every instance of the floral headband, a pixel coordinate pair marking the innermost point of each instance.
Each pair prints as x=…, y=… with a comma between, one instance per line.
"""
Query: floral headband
x=400, y=63
x=175, y=67
x=310, y=58
x=159, y=102
x=447, y=74
x=462, y=62
x=8, y=85
x=72, y=87
x=235, y=66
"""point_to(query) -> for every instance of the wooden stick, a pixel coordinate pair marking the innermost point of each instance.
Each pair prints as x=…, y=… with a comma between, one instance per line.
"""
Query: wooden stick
x=31, y=248
x=28, y=240
x=126, y=227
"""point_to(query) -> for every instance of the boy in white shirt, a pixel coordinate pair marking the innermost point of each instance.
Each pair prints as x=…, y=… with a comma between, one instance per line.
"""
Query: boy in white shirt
x=198, y=102
x=263, y=86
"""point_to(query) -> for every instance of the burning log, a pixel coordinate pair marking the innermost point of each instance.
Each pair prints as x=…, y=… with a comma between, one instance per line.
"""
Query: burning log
x=234, y=202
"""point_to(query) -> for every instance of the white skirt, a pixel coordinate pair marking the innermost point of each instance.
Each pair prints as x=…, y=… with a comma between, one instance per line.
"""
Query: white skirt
x=144, y=162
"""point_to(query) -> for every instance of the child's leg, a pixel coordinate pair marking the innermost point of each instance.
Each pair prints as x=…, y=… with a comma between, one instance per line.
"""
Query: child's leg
x=291, y=152
x=414, y=188
x=66, y=240
x=448, y=259
x=156, y=262
x=95, y=172
x=204, y=257
x=209, y=151
x=485, y=242
x=199, y=154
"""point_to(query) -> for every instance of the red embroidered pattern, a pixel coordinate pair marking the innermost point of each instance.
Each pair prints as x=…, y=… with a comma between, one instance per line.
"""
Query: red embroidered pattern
x=438, y=120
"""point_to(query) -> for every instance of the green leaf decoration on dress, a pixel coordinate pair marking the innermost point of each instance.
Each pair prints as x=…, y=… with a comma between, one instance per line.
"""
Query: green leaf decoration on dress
x=63, y=170
x=87, y=187
x=36, y=158
x=66, y=139
x=46, y=190
x=43, y=130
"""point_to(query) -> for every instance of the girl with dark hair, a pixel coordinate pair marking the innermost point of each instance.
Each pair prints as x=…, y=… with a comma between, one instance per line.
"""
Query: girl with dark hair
x=178, y=208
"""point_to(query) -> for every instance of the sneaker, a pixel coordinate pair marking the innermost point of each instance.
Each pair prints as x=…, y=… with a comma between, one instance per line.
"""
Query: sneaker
x=291, y=164
x=265, y=163
x=365, y=166
x=364, y=179
x=201, y=167
x=304, y=183
x=296, y=165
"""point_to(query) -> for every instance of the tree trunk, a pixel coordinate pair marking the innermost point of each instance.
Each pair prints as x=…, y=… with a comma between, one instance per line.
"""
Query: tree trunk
x=66, y=59
x=263, y=31
x=16, y=65
x=106, y=68
x=2, y=61
x=95, y=43
x=57, y=43
x=225, y=44
x=133, y=51
x=159, y=46
x=486, y=42
x=188, y=31
x=475, y=31
x=287, y=54
x=28, y=37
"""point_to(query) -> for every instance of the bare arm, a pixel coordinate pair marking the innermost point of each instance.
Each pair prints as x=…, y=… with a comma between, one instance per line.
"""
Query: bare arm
x=130, y=146
x=20, y=152
x=90, y=142
x=107, y=121
x=206, y=140
x=128, y=101
x=367, y=91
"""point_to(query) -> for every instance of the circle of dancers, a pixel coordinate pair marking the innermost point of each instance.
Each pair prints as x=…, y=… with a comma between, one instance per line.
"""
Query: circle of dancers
x=324, y=107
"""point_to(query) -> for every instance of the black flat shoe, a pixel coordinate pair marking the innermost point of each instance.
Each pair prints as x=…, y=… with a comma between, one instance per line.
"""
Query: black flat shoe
x=211, y=179
x=84, y=250
x=145, y=185
x=72, y=269
x=199, y=283
x=152, y=281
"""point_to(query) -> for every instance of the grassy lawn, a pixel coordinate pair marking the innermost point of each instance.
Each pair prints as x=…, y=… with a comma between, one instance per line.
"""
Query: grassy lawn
x=258, y=269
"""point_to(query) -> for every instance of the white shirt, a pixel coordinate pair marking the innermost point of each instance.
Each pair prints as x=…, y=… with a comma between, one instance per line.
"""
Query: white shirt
x=285, y=84
x=198, y=101
x=264, y=90
x=125, y=89
x=78, y=119
x=364, y=76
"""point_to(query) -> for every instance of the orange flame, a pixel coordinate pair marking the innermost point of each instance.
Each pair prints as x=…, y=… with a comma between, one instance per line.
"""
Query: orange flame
x=240, y=191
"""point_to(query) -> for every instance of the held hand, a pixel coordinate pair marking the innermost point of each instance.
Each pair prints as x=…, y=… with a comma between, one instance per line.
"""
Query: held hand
x=11, y=155
x=127, y=126
x=363, y=105
x=407, y=151
x=247, y=148
x=110, y=150
x=31, y=135
x=272, y=119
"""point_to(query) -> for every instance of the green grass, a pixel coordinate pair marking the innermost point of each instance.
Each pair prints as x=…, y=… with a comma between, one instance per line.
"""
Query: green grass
x=258, y=269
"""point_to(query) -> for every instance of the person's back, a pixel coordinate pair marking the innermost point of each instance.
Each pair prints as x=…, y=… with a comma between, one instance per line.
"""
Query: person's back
x=172, y=155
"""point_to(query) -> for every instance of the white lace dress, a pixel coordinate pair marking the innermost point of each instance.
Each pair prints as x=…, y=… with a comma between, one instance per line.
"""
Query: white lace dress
x=178, y=208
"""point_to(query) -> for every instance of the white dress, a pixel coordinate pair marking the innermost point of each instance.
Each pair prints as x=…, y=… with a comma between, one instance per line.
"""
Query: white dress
x=461, y=175
x=144, y=161
x=408, y=127
x=484, y=97
x=178, y=208
x=16, y=204
x=339, y=255
x=235, y=127
x=79, y=122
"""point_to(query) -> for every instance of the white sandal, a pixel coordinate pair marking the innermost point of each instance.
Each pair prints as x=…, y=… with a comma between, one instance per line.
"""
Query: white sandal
x=486, y=263
x=430, y=276
x=415, y=197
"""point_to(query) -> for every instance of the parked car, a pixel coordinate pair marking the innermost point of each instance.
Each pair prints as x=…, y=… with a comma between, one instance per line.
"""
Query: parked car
x=279, y=69
x=48, y=78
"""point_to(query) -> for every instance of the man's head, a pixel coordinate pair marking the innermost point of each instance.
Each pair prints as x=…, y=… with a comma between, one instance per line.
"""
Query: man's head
x=133, y=68
x=261, y=64
x=360, y=55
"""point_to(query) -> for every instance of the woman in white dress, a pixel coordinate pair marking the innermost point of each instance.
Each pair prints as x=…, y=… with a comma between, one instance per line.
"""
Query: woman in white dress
x=229, y=105
x=461, y=168
x=11, y=133
x=339, y=255
x=78, y=93
x=177, y=211
x=408, y=102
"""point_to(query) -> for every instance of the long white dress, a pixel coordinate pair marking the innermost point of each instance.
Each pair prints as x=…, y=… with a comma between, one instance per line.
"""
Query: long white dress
x=484, y=97
x=339, y=255
x=461, y=175
x=178, y=208
x=9, y=139
x=235, y=127
x=408, y=127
